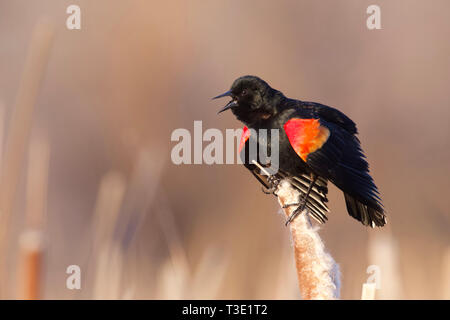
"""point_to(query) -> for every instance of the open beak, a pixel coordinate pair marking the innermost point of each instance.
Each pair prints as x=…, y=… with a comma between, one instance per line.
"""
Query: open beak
x=230, y=104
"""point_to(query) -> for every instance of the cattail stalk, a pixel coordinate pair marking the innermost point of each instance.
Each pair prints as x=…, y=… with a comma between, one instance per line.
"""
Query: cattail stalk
x=317, y=272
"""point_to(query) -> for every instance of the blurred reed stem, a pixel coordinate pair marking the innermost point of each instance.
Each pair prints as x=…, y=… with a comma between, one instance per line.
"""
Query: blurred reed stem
x=368, y=291
x=31, y=255
x=18, y=134
x=31, y=241
x=37, y=182
x=106, y=257
x=107, y=207
x=171, y=234
x=383, y=252
x=119, y=213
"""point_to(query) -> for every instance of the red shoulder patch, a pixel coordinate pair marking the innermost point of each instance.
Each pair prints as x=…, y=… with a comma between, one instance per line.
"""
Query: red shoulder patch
x=244, y=137
x=306, y=135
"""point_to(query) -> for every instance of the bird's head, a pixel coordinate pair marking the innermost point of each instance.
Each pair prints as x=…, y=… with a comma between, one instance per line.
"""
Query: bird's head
x=252, y=99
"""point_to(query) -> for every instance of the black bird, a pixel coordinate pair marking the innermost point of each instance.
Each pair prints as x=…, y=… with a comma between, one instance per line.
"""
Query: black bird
x=317, y=144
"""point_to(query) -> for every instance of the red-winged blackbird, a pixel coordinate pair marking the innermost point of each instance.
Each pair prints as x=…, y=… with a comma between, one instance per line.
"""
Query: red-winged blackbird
x=317, y=144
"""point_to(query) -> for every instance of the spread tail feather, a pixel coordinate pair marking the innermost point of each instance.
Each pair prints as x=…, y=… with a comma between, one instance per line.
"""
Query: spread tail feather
x=368, y=215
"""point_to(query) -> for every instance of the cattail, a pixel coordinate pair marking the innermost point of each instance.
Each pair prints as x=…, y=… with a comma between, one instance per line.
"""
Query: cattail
x=317, y=272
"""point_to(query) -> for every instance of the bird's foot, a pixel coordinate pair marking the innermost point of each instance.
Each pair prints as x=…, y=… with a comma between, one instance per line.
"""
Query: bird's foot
x=274, y=182
x=301, y=205
x=300, y=201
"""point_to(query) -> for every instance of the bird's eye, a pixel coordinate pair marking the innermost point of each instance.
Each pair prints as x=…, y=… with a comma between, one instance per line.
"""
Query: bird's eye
x=244, y=92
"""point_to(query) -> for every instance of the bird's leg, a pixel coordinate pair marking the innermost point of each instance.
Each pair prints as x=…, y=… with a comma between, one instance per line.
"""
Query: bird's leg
x=302, y=203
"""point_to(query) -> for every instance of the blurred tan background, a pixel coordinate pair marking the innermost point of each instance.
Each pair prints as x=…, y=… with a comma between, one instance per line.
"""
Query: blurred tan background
x=141, y=227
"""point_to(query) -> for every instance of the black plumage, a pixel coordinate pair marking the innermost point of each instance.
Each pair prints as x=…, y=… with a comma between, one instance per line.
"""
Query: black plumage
x=313, y=151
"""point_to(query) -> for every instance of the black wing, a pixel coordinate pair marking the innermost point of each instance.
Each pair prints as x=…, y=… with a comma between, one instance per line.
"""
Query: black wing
x=342, y=161
x=330, y=114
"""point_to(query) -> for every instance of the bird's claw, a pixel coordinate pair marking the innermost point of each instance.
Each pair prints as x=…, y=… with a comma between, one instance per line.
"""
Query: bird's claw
x=274, y=182
x=273, y=185
x=298, y=203
x=269, y=190
x=301, y=206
